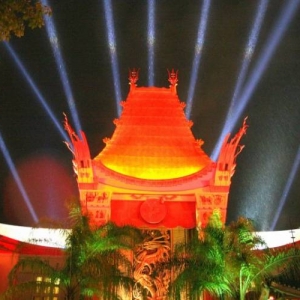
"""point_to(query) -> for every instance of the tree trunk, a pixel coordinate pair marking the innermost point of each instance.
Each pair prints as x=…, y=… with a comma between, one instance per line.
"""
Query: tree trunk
x=265, y=292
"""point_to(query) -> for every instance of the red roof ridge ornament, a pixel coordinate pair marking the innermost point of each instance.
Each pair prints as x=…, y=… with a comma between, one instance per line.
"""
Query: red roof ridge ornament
x=82, y=163
x=226, y=162
x=173, y=79
x=133, y=78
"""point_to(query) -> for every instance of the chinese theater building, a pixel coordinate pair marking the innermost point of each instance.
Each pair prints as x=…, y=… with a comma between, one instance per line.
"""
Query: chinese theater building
x=153, y=174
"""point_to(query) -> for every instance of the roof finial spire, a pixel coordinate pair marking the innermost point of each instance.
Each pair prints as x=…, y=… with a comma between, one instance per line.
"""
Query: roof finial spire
x=173, y=79
x=133, y=78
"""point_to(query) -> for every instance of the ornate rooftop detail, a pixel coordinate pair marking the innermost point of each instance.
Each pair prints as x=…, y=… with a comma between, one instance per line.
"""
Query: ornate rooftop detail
x=81, y=154
x=173, y=79
x=227, y=159
x=153, y=138
x=133, y=78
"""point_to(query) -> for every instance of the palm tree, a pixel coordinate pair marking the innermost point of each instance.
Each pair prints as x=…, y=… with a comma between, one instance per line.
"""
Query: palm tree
x=287, y=281
x=251, y=266
x=241, y=258
x=200, y=263
x=226, y=261
x=96, y=262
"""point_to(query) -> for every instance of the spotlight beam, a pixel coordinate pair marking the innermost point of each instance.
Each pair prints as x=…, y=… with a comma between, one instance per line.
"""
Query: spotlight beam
x=286, y=190
x=112, y=45
x=249, y=50
x=36, y=91
x=151, y=41
x=17, y=179
x=52, y=35
x=270, y=46
x=248, y=53
x=197, y=55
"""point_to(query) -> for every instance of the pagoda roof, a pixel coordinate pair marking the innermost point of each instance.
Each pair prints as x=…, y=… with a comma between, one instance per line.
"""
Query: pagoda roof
x=153, y=139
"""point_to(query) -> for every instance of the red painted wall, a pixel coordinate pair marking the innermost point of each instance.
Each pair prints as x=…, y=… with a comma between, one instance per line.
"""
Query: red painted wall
x=7, y=261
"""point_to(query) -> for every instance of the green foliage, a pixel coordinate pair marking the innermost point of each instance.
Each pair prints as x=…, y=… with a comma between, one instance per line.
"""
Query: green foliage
x=220, y=260
x=289, y=273
x=96, y=261
x=200, y=264
x=225, y=260
x=16, y=15
x=241, y=258
x=251, y=267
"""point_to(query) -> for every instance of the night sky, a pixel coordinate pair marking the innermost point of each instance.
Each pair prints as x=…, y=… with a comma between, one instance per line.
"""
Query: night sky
x=272, y=140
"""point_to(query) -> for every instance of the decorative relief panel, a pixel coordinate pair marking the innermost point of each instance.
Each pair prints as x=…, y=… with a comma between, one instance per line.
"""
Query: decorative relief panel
x=97, y=205
x=97, y=197
x=153, y=211
x=150, y=281
x=206, y=204
x=211, y=200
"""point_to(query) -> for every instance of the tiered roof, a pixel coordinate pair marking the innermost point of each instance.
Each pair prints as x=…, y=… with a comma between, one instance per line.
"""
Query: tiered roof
x=153, y=138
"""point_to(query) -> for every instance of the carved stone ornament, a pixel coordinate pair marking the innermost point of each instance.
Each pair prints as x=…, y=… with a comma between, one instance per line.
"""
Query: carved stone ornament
x=153, y=211
x=150, y=279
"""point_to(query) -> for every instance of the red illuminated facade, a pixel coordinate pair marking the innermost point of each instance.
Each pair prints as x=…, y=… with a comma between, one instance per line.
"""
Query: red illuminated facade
x=153, y=173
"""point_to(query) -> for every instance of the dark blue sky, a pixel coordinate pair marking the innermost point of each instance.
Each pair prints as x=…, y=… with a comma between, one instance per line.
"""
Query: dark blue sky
x=273, y=111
